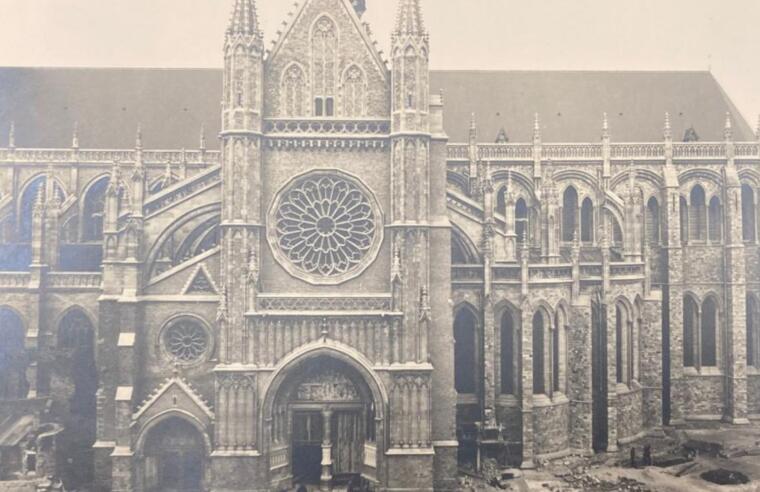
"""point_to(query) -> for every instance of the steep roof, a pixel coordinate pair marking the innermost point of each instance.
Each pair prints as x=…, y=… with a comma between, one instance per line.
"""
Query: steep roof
x=173, y=104
x=571, y=105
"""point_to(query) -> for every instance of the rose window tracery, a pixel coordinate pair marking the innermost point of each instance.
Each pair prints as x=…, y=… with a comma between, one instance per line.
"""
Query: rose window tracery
x=325, y=227
x=186, y=340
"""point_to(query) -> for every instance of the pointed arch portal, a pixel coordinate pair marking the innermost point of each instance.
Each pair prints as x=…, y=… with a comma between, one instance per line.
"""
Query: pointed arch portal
x=323, y=419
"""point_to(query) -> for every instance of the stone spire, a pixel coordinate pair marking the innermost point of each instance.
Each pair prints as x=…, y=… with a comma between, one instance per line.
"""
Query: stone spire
x=75, y=136
x=203, y=137
x=605, y=127
x=138, y=137
x=409, y=18
x=536, y=128
x=668, y=131
x=244, y=19
x=12, y=135
x=728, y=131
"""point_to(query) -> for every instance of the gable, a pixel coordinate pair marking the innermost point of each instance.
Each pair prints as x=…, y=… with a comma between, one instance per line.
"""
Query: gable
x=325, y=51
x=174, y=394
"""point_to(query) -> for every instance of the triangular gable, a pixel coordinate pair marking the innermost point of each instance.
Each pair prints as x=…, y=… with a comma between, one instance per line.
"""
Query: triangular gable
x=200, y=282
x=368, y=42
x=175, y=393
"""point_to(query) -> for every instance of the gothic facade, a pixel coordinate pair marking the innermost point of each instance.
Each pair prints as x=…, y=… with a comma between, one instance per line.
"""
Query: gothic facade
x=351, y=285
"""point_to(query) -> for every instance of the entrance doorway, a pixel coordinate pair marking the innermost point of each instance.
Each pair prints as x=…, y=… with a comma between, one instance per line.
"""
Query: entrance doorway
x=323, y=427
x=174, y=458
x=599, y=376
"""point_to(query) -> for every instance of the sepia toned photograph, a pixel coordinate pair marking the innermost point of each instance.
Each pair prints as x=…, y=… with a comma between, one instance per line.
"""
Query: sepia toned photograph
x=379, y=246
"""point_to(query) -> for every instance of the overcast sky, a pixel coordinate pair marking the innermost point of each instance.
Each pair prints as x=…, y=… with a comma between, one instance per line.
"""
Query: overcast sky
x=723, y=35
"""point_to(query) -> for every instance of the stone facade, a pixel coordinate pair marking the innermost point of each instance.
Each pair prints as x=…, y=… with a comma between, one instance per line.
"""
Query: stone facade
x=519, y=301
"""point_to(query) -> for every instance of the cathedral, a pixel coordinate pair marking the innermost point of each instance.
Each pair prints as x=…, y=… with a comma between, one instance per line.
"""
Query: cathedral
x=358, y=271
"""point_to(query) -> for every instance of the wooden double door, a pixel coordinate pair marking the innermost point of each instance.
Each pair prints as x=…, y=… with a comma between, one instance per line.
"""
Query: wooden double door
x=346, y=428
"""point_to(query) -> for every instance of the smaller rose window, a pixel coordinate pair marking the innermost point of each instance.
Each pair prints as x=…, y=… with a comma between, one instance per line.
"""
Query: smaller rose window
x=186, y=340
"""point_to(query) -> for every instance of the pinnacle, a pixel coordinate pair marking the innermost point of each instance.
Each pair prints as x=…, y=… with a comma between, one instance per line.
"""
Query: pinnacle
x=409, y=18
x=244, y=18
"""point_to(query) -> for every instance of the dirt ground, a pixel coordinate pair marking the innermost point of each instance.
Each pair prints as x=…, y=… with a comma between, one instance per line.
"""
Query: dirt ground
x=680, y=456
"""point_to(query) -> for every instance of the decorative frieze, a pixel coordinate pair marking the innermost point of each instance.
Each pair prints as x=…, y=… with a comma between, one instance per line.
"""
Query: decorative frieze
x=107, y=157
x=343, y=303
x=74, y=280
x=291, y=127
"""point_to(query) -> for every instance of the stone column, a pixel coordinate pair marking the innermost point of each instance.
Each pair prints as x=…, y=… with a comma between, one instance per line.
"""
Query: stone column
x=527, y=385
x=327, y=476
x=736, y=298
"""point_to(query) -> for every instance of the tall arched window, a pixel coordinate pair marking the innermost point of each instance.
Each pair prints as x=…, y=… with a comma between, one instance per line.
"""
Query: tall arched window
x=76, y=336
x=13, y=357
x=501, y=201
x=508, y=361
x=521, y=221
x=749, y=217
x=690, y=324
x=684, y=218
x=92, y=211
x=465, y=346
x=539, y=354
x=617, y=232
x=293, y=92
x=559, y=352
x=587, y=221
x=623, y=344
x=709, y=338
x=753, y=332
x=569, y=214
x=698, y=214
x=653, y=221
x=715, y=220
x=26, y=205
x=324, y=52
x=354, y=103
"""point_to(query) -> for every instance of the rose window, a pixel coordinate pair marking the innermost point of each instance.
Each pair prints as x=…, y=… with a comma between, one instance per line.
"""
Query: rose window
x=325, y=227
x=186, y=341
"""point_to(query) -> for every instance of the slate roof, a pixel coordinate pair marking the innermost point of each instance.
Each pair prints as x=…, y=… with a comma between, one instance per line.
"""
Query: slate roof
x=173, y=104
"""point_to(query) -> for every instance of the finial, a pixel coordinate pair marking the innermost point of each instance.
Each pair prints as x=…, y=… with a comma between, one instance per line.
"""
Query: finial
x=12, y=135
x=536, y=127
x=668, y=132
x=473, y=125
x=138, y=138
x=728, y=132
x=631, y=176
x=605, y=127
x=75, y=136
x=39, y=202
x=203, y=137
x=56, y=200
x=502, y=137
x=360, y=6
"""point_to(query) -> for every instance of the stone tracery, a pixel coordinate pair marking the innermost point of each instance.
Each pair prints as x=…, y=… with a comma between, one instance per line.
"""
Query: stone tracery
x=324, y=226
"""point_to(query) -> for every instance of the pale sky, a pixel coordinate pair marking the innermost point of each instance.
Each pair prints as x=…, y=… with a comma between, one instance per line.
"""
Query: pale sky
x=723, y=35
